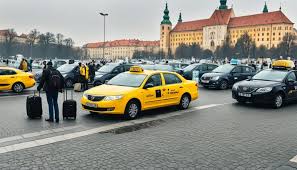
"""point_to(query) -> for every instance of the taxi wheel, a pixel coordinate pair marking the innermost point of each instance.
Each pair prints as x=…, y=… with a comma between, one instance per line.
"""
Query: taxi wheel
x=223, y=85
x=184, y=102
x=278, y=101
x=132, y=110
x=18, y=87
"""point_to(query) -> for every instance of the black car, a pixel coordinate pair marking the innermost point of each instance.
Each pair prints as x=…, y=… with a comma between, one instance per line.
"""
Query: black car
x=226, y=75
x=159, y=67
x=271, y=86
x=203, y=68
x=70, y=72
x=108, y=71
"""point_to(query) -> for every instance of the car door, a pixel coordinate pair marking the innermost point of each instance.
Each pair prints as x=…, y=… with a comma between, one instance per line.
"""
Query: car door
x=236, y=75
x=172, y=89
x=247, y=72
x=291, y=82
x=153, y=96
x=7, y=78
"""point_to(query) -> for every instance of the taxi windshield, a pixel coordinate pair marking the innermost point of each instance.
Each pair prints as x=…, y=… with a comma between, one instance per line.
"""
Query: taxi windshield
x=227, y=68
x=271, y=75
x=127, y=79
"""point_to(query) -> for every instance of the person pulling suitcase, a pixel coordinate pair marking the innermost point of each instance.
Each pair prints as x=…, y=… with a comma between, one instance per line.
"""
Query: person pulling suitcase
x=53, y=82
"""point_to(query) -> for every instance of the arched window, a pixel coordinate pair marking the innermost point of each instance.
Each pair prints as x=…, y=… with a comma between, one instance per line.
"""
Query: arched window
x=212, y=44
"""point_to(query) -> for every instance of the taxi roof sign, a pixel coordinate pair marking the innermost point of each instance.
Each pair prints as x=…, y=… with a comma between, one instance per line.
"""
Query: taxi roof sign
x=283, y=64
x=136, y=69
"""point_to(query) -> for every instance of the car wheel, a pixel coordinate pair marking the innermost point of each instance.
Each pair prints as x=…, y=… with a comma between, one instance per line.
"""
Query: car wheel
x=132, y=110
x=18, y=87
x=223, y=85
x=278, y=101
x=184, y=102
x=69, y=83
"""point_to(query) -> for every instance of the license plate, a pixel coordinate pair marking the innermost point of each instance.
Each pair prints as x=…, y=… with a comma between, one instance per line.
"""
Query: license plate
x=205, y=81
x=91, y=105
x=244, y=95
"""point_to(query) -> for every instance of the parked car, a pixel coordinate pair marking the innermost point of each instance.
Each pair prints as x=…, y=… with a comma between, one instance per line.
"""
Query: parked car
x=203, y=68
x=108, y=71
x=159, y=67
x=226, y=75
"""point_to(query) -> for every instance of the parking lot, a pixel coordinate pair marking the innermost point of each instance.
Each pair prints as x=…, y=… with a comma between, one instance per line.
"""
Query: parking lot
x=216, y=132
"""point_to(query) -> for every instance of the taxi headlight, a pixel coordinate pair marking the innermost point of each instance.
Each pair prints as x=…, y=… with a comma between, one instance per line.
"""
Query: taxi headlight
x=111, y=98
x=264, y=90
x=215, y=78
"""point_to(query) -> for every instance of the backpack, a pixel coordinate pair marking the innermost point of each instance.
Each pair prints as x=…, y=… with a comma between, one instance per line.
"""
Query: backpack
x=55, y=80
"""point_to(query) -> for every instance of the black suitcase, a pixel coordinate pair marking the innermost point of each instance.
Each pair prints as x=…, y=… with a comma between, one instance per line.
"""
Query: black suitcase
x=34, y=106
x=69, y=107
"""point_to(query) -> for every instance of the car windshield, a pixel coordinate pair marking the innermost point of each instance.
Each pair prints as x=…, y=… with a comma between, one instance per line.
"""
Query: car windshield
x=127, y=79
x=190, y=67
x=107, y=68
x=271, y=75
x=227, y=68
x=66, y=68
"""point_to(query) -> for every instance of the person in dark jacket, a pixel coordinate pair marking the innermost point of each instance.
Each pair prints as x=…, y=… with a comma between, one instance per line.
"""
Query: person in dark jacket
x=92, y=70
x=52, y=82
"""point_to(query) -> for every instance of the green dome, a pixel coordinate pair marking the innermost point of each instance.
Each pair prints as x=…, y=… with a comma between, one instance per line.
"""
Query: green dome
x=166, y=18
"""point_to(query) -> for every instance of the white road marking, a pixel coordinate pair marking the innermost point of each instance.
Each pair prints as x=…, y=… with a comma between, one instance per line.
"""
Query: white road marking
x=294, y=159
x=35, y=134
x=54, y=139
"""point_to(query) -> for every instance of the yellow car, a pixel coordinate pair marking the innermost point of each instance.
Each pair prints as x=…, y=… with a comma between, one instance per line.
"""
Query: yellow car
x=14, y=79
x=131, y=92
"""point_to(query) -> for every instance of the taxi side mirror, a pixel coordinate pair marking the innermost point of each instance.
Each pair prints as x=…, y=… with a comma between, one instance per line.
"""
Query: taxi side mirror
x=149, y=85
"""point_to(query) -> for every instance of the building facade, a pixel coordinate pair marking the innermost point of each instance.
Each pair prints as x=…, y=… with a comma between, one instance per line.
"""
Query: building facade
x=120, y=49
x=266, y=28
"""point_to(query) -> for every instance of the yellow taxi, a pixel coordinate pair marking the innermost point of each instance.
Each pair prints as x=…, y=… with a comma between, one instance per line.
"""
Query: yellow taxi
x=137, y=90
x=14, y=79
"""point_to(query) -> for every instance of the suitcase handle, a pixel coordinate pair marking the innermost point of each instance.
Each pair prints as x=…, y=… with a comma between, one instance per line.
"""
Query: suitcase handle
x=66, y=95
x=35, y=93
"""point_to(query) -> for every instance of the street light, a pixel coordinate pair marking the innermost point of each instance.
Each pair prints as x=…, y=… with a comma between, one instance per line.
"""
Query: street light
x=104, y=15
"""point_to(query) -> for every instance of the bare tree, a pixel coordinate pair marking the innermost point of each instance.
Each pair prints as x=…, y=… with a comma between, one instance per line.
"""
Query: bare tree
x=244, y=45
x=31, y=40
x=9, y=36
x=287, y=45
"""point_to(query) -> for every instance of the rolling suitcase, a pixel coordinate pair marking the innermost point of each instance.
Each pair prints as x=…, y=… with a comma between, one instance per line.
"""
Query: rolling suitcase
x=34, y=106
x=69, y=107
x=77, y=87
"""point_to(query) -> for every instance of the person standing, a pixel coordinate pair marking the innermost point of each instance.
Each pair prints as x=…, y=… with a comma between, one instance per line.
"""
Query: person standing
x=92, y=70
x=53, y=82
x=23, y=65
x=84, y=74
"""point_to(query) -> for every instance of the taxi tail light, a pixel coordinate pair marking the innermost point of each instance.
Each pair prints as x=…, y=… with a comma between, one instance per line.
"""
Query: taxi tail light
x=31, y=77
x=196, y=84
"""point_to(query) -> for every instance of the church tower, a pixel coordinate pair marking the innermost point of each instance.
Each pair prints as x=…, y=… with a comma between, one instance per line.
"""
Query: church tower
x=165, y=29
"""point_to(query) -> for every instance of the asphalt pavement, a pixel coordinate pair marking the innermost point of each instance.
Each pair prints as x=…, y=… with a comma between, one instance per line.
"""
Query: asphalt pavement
x=215, y=133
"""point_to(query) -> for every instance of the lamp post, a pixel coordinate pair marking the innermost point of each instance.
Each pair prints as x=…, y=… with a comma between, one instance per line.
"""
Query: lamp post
x=104, y=15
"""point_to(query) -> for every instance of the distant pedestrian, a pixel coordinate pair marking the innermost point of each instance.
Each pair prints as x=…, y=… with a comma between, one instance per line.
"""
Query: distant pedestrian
x=84, y=75
x=44, y=65
x=53, y=82
x=24, y=65
x=92, y=69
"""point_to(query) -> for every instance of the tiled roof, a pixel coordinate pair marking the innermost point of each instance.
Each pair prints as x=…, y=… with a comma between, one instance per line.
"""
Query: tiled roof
x=276, y=17
x=119, y=43
x=226, y=17
x=219, y=17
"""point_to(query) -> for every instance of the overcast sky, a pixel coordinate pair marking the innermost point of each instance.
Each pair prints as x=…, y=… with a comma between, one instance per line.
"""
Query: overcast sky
x=80, y=20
